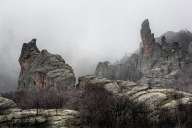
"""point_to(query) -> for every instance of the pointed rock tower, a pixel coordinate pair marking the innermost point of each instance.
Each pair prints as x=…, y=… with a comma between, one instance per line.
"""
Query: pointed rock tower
x=147, y=38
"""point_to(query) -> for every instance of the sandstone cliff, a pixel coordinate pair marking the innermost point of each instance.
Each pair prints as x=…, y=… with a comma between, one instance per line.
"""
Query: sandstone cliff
x=161, y=61
x=41, y=69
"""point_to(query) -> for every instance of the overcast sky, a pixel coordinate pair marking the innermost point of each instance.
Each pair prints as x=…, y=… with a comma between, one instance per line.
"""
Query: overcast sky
x=83, y=31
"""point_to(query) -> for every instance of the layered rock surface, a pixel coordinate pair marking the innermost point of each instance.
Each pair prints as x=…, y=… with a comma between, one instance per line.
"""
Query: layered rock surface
x=162, y=61
x=41, y=69
x=13, y=117
x=138, y=92
x=156, y=98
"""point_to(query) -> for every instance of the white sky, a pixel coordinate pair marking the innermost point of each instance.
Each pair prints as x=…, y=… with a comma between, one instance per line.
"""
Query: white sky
x=84, y=31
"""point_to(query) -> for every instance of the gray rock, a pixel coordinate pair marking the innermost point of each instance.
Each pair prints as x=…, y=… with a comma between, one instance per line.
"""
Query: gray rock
x=127, y=70
x=41, y=69
x=162, y=61
x=6, y=104
x=11, y=116
x=156, y=98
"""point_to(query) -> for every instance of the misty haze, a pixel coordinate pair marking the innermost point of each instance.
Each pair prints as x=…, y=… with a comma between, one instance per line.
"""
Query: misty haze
x=83, y=32
x=96, y=63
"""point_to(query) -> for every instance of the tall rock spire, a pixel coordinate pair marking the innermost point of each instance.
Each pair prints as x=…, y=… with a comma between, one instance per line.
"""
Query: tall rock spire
x=147, y=37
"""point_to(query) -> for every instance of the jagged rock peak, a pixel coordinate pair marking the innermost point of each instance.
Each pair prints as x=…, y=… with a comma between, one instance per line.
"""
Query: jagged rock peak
x=145, y=27
x=146, y=31
x=42, y=69
x=28, y=54
x=29, y=49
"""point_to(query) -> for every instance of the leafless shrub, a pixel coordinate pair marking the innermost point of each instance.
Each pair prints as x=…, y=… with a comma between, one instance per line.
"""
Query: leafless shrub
x=181, y=117
x=100, y=109
x=48, y=99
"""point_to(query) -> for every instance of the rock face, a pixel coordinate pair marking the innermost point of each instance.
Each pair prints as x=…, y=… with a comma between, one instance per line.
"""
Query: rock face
x=170, y=58
x=160, y=61
x=122, y=71
x=41, y=69
x=12, y=117
x=156, y=98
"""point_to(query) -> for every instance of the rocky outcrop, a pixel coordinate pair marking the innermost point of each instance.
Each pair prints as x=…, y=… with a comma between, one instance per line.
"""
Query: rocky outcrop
x=6, y=104
x=169, y=61
x=105, y=69
x=135, y=64
x=13, y=117
x=159, y=61
x=121, y=71
x=156, y=98
x=41, y=69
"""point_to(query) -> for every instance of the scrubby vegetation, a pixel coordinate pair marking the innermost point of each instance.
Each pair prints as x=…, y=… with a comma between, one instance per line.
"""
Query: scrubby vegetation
x=180, y=117
x=46, y=99
x=101, y=109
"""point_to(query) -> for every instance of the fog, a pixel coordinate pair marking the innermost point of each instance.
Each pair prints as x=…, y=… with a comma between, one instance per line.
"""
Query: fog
x=84, y=32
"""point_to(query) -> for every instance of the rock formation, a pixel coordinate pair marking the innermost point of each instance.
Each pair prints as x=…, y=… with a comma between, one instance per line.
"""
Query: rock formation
x=160, y=61
x=156, y=98
x=147, y=39
x=122, y=71
x=41, y=69
x=13, y=117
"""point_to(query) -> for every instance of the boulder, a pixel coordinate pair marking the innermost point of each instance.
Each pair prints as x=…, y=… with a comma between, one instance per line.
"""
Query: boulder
x=6, y=103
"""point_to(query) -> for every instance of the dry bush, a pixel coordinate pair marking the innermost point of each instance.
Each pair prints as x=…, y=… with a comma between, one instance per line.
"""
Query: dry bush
x=181, y=117
x=100, y=109
x=48, y=99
